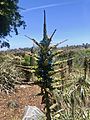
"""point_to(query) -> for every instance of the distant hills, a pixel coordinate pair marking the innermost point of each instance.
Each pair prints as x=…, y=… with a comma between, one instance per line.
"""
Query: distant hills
x=21, y=50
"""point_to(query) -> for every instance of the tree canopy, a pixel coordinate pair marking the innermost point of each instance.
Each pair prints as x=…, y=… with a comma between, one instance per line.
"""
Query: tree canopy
x=10, y=18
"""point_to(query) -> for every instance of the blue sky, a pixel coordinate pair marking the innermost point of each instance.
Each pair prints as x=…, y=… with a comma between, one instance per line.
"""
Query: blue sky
x=71, y=18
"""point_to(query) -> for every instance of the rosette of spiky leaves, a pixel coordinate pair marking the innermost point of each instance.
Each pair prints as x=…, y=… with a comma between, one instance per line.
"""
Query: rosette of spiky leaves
x=8, y=72
x=74, y=104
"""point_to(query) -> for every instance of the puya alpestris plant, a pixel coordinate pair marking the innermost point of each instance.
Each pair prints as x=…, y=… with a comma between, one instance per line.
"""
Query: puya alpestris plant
x=45, y=68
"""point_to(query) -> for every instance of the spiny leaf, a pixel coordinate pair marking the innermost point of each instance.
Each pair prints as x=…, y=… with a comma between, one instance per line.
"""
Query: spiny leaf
x=56, y=71
x=34, y=41
x=52, y=47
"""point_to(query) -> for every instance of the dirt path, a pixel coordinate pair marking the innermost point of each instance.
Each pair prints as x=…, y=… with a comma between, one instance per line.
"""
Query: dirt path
x=25, y=95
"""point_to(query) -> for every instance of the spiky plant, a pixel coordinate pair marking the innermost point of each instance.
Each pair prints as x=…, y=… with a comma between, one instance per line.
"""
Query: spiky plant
x=69, y=62
x=45, y=68
x=8, y=73
x=65, y=98
x=28, y=60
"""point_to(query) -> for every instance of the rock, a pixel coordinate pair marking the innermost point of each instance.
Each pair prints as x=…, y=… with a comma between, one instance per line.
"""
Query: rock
x=12, y=104
x=33, y=113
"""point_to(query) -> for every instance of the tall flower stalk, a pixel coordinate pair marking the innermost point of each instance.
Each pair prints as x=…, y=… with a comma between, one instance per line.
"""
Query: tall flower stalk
x=45, y=68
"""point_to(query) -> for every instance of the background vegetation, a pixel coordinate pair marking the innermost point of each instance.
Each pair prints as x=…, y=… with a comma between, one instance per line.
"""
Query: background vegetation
x=69, y=98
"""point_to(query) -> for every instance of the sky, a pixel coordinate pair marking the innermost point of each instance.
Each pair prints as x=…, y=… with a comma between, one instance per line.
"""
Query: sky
x=71, y=18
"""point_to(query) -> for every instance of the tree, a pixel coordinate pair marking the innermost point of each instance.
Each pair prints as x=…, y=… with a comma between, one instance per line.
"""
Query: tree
x=10, y=18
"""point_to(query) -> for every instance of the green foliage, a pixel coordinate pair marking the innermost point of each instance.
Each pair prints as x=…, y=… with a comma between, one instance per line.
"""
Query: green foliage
x=10, y=18
x=28, y=60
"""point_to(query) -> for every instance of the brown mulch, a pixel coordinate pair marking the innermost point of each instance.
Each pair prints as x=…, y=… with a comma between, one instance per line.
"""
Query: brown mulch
x=24, y=95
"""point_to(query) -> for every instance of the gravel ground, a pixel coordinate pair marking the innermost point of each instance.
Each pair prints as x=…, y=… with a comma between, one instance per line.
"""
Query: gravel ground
x=24, y=95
